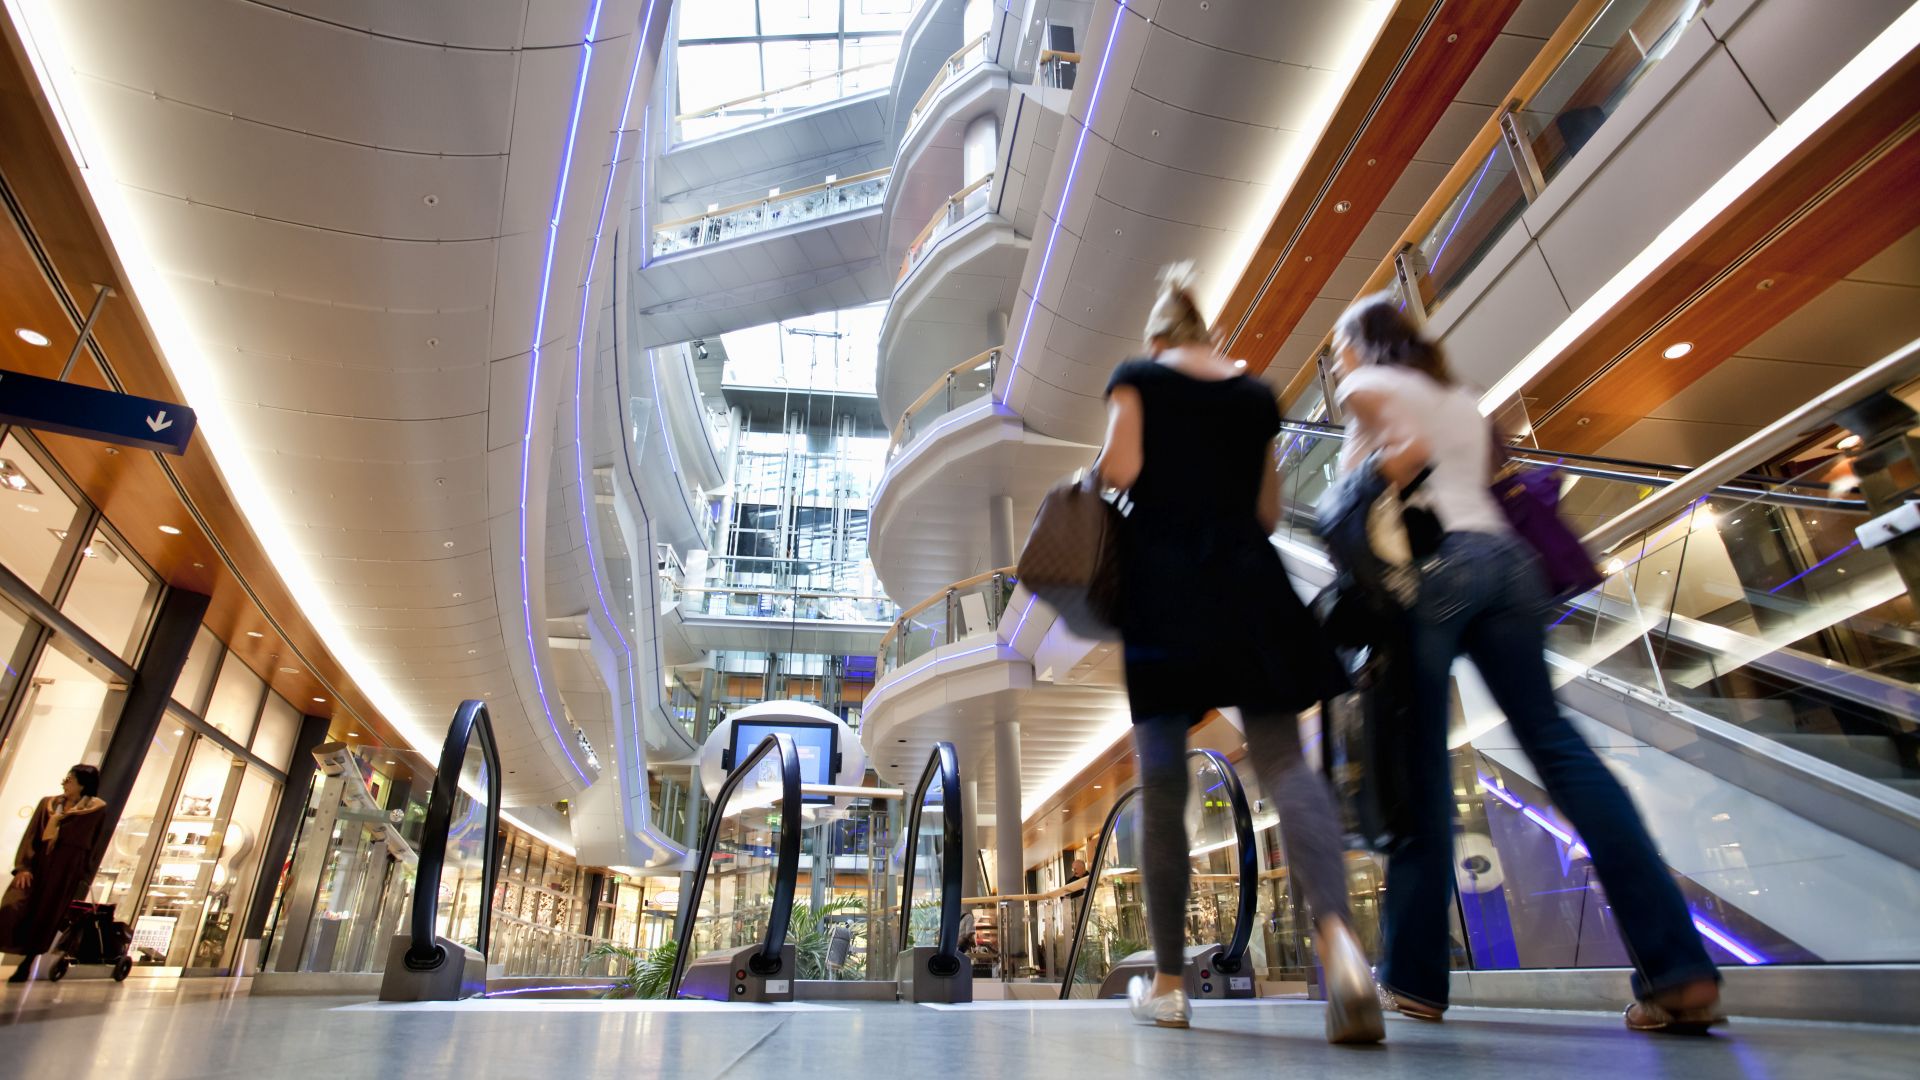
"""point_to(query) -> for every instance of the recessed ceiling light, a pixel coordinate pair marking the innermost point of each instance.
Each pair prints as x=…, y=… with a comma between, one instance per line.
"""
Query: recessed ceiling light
x=291, y=670
x=27, y=508
x=353, y=734
x=1677, y=350
x=170, y=530
x=1847, y=443
x=32, y=337
x=255, y=634
x=11, y=476
x=446, y=543
x=457, y=596
x=320, y=701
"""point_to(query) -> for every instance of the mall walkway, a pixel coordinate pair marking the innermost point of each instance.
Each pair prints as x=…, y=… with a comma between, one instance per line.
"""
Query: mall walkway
x=155, y=1031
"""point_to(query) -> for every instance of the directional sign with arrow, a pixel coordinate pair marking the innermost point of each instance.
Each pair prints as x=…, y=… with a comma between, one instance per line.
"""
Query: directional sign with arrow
x=70, y=409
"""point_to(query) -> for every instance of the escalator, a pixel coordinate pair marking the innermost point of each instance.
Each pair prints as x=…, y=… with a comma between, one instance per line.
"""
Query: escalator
x=443, y=956
x=1110, y=944
x=734, y=942
x=1747, y=669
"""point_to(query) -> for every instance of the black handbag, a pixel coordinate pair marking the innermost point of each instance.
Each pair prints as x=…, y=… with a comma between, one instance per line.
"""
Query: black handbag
x=1072, y=558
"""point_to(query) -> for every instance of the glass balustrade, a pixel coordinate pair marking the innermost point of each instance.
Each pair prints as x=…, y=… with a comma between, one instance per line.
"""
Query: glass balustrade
x=970, y=55
x=463, y=874
x=837, y=196
x=1625, y=40
x=962, y=610
x=959, y=207
x=965, y=383
x=1769, y=614
x=735, y=906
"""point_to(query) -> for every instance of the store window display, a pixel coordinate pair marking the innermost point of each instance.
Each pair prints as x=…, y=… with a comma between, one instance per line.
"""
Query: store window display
x=66, y=716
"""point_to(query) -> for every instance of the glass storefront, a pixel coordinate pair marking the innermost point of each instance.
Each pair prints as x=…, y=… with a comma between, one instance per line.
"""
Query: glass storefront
x=183, y=860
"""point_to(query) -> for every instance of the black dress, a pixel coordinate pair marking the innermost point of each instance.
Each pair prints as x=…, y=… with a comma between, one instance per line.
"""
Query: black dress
x=1209, y=618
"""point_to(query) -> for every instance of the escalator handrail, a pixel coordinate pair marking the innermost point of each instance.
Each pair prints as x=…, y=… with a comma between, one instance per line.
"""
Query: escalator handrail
x=943, y=763
x=1745, y=486
x=787, y=866
x=471, y=720
x=1236, y=950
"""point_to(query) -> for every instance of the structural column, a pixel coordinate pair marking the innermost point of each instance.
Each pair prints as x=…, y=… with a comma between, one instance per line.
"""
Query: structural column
x=1000, y=540
x=1009, y=847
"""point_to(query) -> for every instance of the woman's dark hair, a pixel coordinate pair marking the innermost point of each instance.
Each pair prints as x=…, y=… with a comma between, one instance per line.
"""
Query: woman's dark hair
x=1383, y=334
x=88, y=777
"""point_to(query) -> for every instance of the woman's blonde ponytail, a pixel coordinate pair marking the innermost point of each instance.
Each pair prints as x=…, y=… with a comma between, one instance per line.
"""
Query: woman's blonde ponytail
x=1175, y=318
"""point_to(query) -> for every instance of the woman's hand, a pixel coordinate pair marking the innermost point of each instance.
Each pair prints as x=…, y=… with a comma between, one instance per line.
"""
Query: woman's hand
x=23, y=879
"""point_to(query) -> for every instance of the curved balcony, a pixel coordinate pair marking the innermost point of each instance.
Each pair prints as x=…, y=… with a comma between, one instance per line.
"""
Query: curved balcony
x=962, y=204
x=963, y=383
x=972, y=53
x=962, y=660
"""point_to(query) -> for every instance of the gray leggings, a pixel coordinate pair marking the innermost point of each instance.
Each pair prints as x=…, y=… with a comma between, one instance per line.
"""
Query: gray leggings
x=1310, y=831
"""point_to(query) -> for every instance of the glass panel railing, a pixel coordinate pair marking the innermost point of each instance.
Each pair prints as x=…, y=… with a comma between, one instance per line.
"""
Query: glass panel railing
x=1771, y=615
x=848, y=577
x=1625, y=40
x=463, y=878
x=706, y=121
x=721, y=224
x=743, y=888
x=779, y=604
x=959, y=207
x=965, y=383
x=1111, y=942
x=959, y=611
x=1465, y=231
x=970, y=55
x=1622, y=42
x=929, y=964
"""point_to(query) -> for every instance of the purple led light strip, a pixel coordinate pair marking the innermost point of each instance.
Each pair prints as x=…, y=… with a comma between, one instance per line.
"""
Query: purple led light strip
x=579, y=368
x=1709, y=930
x=1066, y=192
x=533, y=380
x=1461, y=216
x=1814, y=567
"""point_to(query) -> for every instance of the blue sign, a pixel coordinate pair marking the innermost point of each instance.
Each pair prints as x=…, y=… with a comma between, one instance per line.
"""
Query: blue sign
x=70, y=409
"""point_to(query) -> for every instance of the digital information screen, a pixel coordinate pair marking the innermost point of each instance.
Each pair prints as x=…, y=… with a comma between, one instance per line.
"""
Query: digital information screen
x=816, y=742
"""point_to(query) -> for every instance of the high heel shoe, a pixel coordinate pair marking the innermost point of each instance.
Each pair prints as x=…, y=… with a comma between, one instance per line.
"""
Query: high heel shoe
x=1353, y=1006
x=1169, y=1010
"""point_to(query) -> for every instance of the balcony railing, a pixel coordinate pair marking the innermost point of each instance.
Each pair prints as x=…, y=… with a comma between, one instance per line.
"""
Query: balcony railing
x=966, y=382
x=969, y=55
x=717, y=226
x=1572, y=87
x=959, y=205
x=769, y=104
x=780, y=595
x=957, y=612
x=1057, y=68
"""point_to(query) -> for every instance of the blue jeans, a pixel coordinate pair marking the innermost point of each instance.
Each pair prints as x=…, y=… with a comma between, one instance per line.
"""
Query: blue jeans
x=1484, y=596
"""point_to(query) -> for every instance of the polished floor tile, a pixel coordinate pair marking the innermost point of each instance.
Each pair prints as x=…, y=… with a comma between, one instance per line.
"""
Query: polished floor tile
x=164, y=1031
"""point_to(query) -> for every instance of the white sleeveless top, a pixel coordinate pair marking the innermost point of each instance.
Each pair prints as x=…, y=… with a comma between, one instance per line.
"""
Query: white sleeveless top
x=1458, y=437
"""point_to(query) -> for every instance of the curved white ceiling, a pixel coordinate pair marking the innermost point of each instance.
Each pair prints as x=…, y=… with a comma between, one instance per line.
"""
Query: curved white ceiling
x=1189, y=120
x=347, y=220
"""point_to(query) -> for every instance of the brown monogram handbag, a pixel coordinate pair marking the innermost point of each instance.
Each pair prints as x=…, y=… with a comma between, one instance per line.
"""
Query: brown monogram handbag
x=1072, y=557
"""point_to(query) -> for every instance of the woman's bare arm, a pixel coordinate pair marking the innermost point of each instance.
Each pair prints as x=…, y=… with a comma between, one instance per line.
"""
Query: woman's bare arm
x=1124, y=453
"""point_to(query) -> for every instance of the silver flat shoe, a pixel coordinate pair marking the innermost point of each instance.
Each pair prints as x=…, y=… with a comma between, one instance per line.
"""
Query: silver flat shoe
x=1168, y=1010
x=1353, y=1003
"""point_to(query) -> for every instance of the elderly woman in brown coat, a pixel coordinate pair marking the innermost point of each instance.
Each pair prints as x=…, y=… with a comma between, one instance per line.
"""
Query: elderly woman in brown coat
x=50, y=869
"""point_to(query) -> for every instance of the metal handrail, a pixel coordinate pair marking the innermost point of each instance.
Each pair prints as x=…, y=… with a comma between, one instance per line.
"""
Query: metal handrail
x=725, y=105
x=469, y=721
x=1900, y=367
x=1249, y=874
x=767, y=962
x=968, y=583
x=945, y=213
x=943, y=763
x=1746, y=485
x=926, y=396
x=949, y=69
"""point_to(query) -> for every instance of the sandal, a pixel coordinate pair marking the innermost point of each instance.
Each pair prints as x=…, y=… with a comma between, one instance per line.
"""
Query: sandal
x=1651, y=1016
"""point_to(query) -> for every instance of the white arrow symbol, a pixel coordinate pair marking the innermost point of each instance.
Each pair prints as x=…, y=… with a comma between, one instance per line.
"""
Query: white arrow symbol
x=159, y=422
